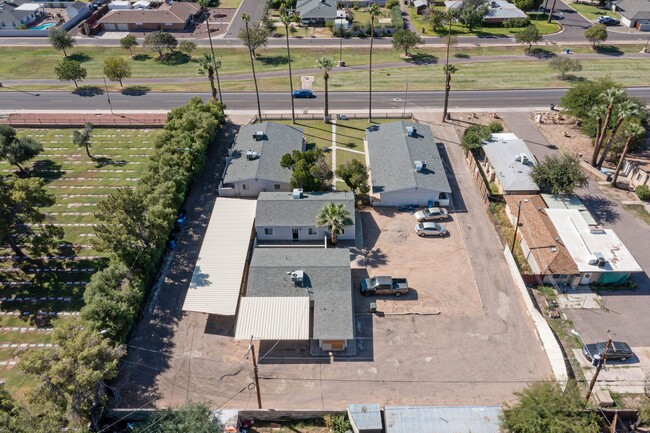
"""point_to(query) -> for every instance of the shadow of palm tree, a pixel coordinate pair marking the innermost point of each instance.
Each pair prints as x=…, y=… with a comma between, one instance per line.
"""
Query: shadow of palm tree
x=601, y=209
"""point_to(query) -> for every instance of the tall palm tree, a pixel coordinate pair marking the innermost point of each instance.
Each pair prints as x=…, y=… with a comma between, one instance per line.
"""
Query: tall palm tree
x=374, y=11
x=334, y=217
x=217, y=64
x=610, y=97
x=326, y=64
x=625, y=110
x=286, y=20
x=632, y=131
x=247, y=19
x=207, y=64
x=448, y=69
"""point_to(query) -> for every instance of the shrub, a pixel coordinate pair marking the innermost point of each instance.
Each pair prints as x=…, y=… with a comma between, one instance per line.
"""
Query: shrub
x=474, y=135
x=396, y=18
x=643, y=192
x=390, y=4
x=495, y=127
x=644, y=413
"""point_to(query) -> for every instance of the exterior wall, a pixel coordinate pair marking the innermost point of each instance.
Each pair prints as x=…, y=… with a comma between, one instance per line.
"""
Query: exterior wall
x=529, y=257
x=286, y=234
x=412, y=196
x=145, y=27
x=643, y=25
x=635, y=176
x=626, y=22
x=253, y=188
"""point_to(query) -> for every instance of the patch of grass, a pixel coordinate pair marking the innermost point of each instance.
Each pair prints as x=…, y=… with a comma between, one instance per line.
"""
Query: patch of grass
x=639, y=210
x=342, y=156
x=317, y=133
x=592, y=11
x=507, y=231
x=17, y=383
x=547, y=291
x=233, y=4
x=341, y=186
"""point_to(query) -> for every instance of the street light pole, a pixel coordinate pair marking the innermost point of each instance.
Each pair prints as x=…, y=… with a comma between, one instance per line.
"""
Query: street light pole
x=406, y=97
x=645, y=49
x=514, y=238
x=108, y=97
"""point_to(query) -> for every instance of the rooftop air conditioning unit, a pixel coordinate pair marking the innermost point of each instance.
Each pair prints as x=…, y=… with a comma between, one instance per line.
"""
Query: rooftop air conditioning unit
x=251, y=154
x=411, y=131
x=297, y=277
x=420, y=165
x=297, y=193
x=259, y=135
x=600, y=259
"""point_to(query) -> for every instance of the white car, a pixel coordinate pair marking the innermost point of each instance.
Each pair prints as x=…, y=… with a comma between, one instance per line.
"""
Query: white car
x=431, y=214
x=430, y=229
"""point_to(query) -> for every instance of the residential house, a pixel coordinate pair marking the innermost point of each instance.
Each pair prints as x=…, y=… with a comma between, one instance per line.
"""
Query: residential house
x=360, y=3
x=15, y=15
x=291, y=216
x=598, y=253
x=299, y=294
x=76, y=8
x=316, y=12
x=636, y=170
x=176, y=17
x=254, y=160
x=634, y=13
x=499, y=11
x=546, y=255
x=405, y=166
x=420, y=6
x=507, y=161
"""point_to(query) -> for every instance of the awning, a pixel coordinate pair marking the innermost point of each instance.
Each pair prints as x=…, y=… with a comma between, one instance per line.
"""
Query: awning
x=273, y=318
x=219, y=269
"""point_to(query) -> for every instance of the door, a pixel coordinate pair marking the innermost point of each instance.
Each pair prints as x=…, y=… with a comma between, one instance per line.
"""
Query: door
x=294, y=233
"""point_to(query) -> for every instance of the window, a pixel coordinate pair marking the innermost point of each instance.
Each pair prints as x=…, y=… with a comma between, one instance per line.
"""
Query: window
x=276, y=186
x=563, y=276
x=268, y=231
x=244, y=186
x=313, y=231
x=638, y=176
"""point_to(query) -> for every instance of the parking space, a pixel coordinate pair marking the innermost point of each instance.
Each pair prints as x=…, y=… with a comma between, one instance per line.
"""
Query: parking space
x=631, y=376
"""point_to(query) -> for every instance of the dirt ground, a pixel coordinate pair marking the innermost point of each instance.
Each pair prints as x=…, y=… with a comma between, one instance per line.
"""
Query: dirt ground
x=564, y=133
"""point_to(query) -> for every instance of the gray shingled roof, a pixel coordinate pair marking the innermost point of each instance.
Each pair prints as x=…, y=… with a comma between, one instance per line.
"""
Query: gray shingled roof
x=501, y=9
x=634, y=9
x=280, y=209
x=315, y=9
x=392, y=154
x=280, y=139
x=328, y=282
x=9, y=15
x=501, y=150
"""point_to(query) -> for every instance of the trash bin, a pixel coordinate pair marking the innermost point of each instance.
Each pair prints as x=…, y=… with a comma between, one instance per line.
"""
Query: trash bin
x=373, y=307
x=568, y=50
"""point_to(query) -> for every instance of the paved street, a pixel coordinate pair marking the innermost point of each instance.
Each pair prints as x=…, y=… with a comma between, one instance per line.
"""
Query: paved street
x=254, y=9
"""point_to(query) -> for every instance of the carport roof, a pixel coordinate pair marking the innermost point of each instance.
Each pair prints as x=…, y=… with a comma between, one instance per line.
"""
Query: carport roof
x=216, y=281
x=392, y=154
x=461, y=419
x=327, y=282
x=273, y=318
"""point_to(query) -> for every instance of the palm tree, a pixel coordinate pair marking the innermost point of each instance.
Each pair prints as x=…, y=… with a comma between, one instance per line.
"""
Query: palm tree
x=610, y=97
x=334, y=217
x=625, y=110
x=286, y=20
x=246, y=19
x=374, y=11
x=82, y=138
x=207, y=64
x=632, y=131
x=326, y=64
x=448, y=69
x=204, y=4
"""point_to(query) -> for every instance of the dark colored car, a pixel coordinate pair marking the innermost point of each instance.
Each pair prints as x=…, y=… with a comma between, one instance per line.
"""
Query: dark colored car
x=608, y=21
x=618, y=350
x=303, y=93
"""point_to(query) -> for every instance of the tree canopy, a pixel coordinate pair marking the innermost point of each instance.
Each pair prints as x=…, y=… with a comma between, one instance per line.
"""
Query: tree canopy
x=81, y=138
x=596, y=34
x=559, y=174
x=70, y=70
x=256, y=36
x=580, y=100
x=474, y=135
x=309, y=170
x=564, y=65
x=355, y=175
x=334, y=217
x=544, y=407
x=160, y=42
x=117, y=68
x=61, y=40
x=406, y=40
x=17, y=150
x=529, y=35
x=128, y=42
x=472, y=12
x=191, y=418
x=528, y=5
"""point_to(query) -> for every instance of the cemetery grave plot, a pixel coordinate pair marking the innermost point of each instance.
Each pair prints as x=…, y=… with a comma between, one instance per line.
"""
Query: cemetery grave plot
x=33, y=293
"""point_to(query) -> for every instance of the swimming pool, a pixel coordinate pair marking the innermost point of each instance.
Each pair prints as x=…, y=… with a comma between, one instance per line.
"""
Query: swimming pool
x=43, y=26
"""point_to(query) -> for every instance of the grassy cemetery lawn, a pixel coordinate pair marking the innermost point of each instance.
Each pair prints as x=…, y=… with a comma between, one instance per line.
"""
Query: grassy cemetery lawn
x=35, y=295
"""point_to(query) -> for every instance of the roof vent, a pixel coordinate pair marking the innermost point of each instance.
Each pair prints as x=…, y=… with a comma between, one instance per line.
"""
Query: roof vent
x=297, y=193
x=297, y=277
x=411, y=131
x=420, y=165
x=259, y=135
x=522, y=157
x=251, y=154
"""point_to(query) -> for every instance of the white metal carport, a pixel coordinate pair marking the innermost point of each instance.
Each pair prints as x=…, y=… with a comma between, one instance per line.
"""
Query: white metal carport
x=217, y=278
x=273, y=318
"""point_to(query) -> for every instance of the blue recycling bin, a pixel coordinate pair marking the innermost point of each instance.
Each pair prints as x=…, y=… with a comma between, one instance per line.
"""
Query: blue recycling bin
x=568, y=50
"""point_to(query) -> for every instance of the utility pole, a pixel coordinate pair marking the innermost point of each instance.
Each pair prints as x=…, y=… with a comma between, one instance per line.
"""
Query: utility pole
x=612, y=427
x=601, y=362
x=406, y=97
x=514, y=238
x=108, y=97
x=251, y=349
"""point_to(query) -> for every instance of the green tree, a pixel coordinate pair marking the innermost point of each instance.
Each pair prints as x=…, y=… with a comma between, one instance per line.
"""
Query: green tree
x=374, y=12
x=70, y=70
x=559, y=174
x=254, y=37
x=128, y=42
x=160, y=41
x=355, y=175
x=544, y=407
x=23, y=222
x=528, y=5
x=529, y=35
x=191, y=418
x=625, y=110
x=643, y=192
x=632, y=131
x=17, y=418
x=326, y=64
x=474, y=136
x=17, y=150
x=406, y=40
x=60, y=40
x=334, y=217
x=207, y=64
x=472, y=12
x=436, y=19
x=611, y=97
x=309, y=170
x=82, y=138
x=187, y=47
x=72, y=375
x=564, y=65
x=116, y=69
x=596, y=34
